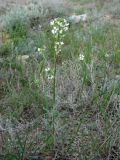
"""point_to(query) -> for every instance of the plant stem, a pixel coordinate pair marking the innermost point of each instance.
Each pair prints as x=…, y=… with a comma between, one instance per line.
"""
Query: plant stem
x=54, y=96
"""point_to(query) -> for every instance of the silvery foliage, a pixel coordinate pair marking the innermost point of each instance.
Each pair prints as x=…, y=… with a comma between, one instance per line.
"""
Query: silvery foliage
x=34, y=9
x=9, y=19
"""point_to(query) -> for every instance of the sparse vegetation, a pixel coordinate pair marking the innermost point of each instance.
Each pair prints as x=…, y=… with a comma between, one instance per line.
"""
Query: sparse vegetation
x=60, y=93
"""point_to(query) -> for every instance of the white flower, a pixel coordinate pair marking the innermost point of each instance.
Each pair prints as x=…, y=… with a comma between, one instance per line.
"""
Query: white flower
x=42, y=50
x=54, y=31
x=60, y=24
x=61, y=43
x=59, y=50
x=65, y=21
x=47, y=69
x=81, y=57
x=66, y=28
x=67, y=24
x=50, y=77
x=52, y=23
x=57, y=43
x=61, y=31
x=39, y=49
x=55, y=28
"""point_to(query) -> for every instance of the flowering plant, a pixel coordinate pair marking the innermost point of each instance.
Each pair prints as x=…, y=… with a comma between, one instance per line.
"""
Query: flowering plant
x=81, y=57
x=49, y=73
x=59, y=27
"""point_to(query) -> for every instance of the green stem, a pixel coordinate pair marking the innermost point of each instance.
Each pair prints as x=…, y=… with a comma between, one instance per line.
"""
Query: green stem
x=54, y=80
x=54, y=95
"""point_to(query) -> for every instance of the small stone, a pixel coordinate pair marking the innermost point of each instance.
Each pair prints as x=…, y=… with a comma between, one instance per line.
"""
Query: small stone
x=77, y=18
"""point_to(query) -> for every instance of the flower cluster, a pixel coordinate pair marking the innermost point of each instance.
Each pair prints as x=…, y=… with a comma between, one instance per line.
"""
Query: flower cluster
x=49, y=73
x=81, y=57
x=59, y=27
